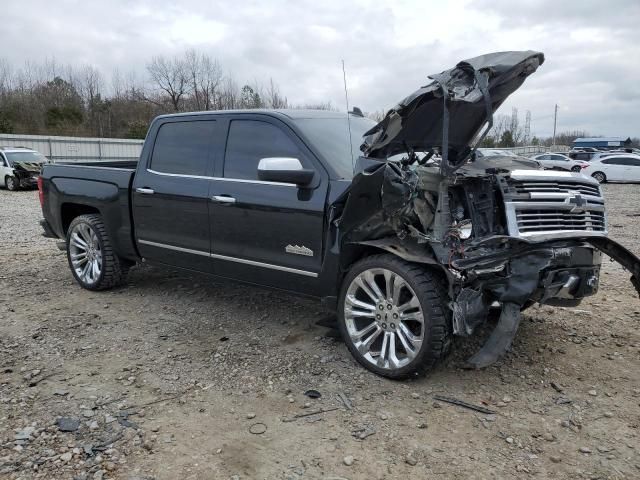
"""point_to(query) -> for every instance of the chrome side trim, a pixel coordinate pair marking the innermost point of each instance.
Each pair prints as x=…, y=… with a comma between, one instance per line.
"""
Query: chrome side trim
x=265, y=265
x=223, y=179
x=172, y=247
x=231, y=259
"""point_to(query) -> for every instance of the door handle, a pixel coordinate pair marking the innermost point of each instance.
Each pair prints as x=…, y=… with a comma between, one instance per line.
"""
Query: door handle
x=223, y=199
x=145, y=191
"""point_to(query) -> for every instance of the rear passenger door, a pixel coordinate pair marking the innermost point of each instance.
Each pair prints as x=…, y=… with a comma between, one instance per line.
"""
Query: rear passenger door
x=170, y=196
x=632, y=169
x=615, y=168
x=262, y=232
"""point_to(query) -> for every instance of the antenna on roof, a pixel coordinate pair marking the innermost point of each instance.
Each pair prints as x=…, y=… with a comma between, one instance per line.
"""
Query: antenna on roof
x=346, y=98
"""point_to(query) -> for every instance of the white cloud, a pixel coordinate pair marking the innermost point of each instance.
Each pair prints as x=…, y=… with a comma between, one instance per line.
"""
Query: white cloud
x=389, y=47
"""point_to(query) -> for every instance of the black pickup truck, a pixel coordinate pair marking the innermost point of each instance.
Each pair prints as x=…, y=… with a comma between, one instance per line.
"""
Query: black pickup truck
x=397, y=226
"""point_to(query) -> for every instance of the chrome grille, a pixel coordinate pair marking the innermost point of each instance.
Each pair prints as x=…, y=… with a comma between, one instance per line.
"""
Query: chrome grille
x=554, y=204
x=553, y=220
x=557, y=187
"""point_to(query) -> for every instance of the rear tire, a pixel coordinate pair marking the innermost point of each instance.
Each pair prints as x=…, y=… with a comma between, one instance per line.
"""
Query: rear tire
x=600, y=177
x=373, y=308
x=12, y=183
x=576, y=169
x=92, y=261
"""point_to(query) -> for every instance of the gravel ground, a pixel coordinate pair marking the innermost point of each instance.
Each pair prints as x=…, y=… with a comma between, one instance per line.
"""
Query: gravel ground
x=178, y=376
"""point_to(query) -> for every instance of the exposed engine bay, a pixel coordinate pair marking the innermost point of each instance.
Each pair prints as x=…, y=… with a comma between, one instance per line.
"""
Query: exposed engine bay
x=500, y=229
x=27, y=172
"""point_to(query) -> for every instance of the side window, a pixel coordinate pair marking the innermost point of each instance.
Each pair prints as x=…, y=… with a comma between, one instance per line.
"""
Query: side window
x=251, y=140
x=543, y=157
x=558, y=157
x=183, y=147
x=3, y=161
x=634, y=162
x=615, y=161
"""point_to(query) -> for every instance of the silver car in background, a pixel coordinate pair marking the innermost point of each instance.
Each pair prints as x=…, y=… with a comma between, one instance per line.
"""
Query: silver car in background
x=614, y=168
x=558, y=161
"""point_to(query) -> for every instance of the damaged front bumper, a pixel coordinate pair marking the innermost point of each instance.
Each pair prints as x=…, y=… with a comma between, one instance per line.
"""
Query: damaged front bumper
x=556, y=272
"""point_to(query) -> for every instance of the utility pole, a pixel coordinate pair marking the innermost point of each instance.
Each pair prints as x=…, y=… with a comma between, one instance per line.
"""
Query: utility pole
x=555, y=122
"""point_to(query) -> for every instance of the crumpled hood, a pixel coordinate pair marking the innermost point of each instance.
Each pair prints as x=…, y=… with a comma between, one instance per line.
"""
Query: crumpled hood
x=474, y=88
x=31, y=167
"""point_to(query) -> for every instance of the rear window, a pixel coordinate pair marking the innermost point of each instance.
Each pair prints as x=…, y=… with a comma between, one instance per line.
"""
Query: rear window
x=183, y=148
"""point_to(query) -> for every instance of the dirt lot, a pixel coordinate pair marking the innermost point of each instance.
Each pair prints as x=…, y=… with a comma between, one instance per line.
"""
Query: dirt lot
x=176, y=376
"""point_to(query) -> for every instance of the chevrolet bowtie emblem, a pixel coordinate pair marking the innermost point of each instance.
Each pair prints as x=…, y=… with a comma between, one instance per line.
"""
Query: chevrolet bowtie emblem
x=578, y=202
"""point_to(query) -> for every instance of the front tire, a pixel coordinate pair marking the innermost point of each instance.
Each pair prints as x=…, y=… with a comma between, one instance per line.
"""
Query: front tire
x=12, y=183
x=393, y=316
x=600, y=177
x=92, y=261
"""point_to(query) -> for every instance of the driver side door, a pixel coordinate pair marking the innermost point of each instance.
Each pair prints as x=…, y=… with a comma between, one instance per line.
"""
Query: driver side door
x=265, y=232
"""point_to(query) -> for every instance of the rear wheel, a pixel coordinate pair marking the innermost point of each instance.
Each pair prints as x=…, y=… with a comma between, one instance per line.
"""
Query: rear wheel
x=600, y=177
x=91, y=258
x=393, y=316
x=12, y=183
x=576, y=169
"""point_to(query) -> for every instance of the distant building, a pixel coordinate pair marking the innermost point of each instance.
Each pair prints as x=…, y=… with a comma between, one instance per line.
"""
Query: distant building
x=602, y=142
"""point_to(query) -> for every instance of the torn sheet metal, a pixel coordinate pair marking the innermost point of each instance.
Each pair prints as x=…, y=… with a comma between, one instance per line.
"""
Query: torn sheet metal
x=380, y=202
x=31, y=167
x=417, y=121
x=500, y=228
x=500, y=339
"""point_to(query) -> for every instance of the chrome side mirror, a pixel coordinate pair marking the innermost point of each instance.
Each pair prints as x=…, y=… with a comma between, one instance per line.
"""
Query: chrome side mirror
x=284, y=170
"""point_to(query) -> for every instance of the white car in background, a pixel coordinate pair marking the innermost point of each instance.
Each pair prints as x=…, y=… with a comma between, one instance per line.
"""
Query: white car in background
x=20, y=167
x=614, y=168
x=557, y=161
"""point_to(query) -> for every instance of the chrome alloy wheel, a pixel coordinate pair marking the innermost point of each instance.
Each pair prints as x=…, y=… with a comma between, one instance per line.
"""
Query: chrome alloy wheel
x=384, y=318
x=85, y=253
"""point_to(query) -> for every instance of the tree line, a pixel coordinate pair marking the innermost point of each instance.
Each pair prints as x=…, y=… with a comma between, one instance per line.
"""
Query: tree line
x=54, y=99
x=508, y=131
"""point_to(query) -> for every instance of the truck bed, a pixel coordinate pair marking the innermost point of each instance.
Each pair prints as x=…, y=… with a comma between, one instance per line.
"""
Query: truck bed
x=92, y=187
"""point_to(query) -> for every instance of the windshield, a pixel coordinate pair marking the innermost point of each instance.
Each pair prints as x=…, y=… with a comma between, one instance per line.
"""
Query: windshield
x=331, y=137
x=29, y=157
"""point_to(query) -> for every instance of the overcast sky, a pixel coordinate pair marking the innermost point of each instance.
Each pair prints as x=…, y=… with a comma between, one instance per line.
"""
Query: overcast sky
x=592, y=48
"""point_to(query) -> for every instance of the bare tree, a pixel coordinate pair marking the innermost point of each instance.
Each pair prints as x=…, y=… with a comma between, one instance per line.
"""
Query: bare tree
x=273, y=98
x=171, y=77
x=205, y=76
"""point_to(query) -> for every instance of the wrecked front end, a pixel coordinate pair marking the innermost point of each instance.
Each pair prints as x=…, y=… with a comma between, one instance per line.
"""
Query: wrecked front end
x=27, y=173
x=503, y=231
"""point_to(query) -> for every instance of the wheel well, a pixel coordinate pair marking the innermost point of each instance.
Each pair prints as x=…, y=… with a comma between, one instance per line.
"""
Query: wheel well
x=69, y=211
x=352, y=253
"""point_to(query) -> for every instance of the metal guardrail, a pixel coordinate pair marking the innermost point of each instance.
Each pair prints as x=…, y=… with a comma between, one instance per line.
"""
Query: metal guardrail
x=81, y=149
x=78, y=149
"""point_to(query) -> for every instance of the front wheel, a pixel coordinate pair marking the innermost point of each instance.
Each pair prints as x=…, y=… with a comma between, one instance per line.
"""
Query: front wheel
x=393, y=316
x=93, y=263
x=12, y=183
x=600, y=177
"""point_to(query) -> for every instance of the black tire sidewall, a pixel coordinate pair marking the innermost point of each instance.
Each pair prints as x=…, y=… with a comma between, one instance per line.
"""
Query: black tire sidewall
x=395, y=265
x=15, y=183
x=604, y=177
x=89, y=223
